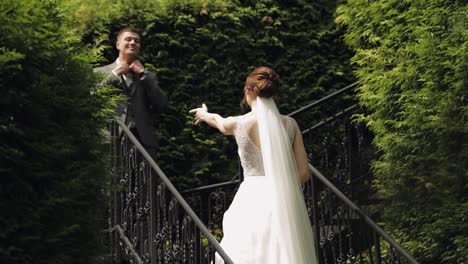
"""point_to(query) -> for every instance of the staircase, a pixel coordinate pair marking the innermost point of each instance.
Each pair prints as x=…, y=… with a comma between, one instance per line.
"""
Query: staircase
x=152, y=222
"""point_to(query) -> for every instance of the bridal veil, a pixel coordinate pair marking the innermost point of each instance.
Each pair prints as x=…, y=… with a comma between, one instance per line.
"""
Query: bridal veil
x=291, y=223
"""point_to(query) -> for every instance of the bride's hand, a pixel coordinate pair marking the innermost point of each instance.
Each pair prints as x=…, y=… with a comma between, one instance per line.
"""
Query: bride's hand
x=199, y=113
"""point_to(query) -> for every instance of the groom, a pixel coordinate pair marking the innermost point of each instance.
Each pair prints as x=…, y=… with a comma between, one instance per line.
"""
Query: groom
x=145, y=99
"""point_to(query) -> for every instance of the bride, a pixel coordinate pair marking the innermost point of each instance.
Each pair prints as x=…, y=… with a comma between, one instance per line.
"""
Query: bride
x=267, y=222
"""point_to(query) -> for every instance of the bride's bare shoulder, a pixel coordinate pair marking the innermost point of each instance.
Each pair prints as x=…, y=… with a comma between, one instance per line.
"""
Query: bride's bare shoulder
x=248, y=119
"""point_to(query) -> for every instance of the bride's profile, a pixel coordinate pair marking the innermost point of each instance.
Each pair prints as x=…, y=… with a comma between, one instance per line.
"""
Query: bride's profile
x=267, y=221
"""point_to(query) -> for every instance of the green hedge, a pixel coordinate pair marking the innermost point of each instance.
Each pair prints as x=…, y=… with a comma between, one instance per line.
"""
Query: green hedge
x=53, y=167
x=411, y=58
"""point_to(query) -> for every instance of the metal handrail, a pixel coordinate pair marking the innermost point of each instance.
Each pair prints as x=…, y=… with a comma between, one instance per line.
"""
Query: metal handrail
x=127, y=243
x=321, y=100
x=331, y=118
x=212, y=186
x=176, y=194
x=356, y=209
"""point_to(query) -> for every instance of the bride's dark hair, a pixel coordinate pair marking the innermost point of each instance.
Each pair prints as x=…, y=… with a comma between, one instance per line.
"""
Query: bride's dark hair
x=263, y=81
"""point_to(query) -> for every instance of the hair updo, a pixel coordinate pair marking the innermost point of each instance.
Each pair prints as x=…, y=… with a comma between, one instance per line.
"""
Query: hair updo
x=263, y=81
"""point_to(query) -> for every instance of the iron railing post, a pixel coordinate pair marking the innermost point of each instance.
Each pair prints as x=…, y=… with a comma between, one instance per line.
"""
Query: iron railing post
x=153, y=217
x=365, y=218
x=115, y=193
x=378, y=253
x=315, y=191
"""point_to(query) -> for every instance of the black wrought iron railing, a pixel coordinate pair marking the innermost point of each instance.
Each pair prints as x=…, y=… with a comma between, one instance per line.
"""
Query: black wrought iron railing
x=344, y=232
x=339, y=145
x=341, y=148
x=150, y=220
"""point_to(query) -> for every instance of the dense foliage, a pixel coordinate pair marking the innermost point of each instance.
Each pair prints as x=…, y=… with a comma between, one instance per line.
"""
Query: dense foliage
x=412, y=58
x=53, y=167
x=203, y=51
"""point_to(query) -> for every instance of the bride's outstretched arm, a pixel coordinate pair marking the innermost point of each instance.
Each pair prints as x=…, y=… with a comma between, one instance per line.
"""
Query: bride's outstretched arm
x=225, y=125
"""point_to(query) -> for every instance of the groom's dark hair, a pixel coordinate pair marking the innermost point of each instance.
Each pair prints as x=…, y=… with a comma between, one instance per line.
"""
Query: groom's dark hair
x=127, y=29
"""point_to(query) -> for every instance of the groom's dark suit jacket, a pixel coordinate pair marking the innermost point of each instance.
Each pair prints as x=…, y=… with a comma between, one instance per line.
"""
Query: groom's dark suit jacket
x=145, y=102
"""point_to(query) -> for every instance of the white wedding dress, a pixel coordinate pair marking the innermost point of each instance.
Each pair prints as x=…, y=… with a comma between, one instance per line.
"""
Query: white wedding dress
x=253, y=232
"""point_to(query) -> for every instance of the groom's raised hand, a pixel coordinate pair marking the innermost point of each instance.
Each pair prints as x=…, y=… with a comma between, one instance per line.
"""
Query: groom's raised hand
x=137, y=67
x=121, y=69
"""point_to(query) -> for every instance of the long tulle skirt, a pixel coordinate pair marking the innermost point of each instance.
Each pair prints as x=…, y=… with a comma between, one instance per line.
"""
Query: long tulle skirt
x=247, y=225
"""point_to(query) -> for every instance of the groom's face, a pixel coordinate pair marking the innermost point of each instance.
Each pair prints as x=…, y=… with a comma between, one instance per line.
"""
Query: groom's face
x=128, y=43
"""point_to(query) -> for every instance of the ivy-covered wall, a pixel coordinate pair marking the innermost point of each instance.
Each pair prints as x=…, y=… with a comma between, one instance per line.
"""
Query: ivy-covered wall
x=412, y=61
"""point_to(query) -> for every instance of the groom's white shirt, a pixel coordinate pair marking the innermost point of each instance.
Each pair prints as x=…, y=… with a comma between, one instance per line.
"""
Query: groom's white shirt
x=128, y=78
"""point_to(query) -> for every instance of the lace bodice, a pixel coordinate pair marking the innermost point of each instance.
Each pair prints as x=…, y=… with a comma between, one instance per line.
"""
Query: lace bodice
x=250, y=155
